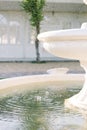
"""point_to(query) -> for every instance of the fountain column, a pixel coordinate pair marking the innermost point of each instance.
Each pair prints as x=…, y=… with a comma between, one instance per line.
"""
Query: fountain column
x=70, y=43
x=79, y=100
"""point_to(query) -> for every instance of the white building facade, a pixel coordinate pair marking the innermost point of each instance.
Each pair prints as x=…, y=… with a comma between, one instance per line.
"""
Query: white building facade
x=16, y=32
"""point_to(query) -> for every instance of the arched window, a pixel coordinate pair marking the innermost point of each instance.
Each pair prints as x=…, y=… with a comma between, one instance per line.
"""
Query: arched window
x=14, y=32
x=3, y=30
x=9, y=31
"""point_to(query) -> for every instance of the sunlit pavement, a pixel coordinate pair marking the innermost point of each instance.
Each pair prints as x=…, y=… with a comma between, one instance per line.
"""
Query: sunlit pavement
x=15, y=69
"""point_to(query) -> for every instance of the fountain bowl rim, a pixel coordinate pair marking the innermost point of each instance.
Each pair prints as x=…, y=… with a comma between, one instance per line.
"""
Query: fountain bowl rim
x=63, y=35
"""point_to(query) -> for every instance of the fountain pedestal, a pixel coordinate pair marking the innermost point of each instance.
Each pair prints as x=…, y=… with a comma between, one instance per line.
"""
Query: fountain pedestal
x=70, y=43
x=79, y=100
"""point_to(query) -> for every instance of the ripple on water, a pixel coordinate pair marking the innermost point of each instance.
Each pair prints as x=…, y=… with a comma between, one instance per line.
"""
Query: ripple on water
x=41, y=109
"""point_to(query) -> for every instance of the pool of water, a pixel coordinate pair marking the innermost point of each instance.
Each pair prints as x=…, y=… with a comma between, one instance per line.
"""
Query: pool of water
x=40, y=109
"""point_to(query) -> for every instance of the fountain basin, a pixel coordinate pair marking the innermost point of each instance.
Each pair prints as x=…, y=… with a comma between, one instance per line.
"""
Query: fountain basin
x=29, y=102
x=70, y=43
x=41, y=108
x=16, y=84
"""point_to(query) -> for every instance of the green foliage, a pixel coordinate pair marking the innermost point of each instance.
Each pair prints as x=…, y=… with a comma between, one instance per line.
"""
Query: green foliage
x=35, y=9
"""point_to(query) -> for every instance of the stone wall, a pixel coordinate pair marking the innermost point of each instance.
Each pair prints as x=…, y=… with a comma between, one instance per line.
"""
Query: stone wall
x=54, y=19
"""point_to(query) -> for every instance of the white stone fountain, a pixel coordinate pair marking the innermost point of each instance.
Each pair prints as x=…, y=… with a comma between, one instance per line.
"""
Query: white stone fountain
x=70, y=43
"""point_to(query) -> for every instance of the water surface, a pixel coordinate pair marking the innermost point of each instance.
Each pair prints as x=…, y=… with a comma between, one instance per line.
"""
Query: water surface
x=40, y=109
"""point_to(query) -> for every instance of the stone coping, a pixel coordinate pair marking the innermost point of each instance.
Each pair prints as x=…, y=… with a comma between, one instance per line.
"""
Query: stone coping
x=22, y=83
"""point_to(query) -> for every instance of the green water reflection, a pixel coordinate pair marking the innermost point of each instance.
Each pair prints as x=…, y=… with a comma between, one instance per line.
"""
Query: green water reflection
x=41, y=109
